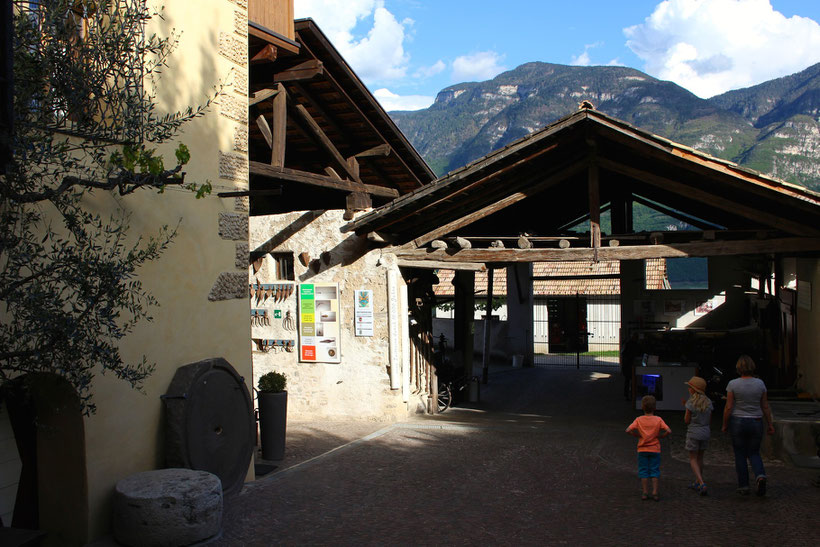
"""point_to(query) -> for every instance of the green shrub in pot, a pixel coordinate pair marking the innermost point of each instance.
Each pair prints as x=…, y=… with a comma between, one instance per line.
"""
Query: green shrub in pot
x=273, y=382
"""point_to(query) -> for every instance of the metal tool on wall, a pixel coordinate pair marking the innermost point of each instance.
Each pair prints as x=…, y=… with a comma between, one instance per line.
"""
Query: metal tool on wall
x=268, y=344
x=260, y=318
x=288, y=323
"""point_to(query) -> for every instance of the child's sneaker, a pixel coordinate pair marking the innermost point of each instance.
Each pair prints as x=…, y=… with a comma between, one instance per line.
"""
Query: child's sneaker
x=743, y=491
x=694, y=486
x=761, y=486
x=702, y=490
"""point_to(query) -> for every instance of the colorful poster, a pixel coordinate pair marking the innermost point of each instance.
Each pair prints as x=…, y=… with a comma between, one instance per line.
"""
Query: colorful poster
x=319, y=332
x=364, y=313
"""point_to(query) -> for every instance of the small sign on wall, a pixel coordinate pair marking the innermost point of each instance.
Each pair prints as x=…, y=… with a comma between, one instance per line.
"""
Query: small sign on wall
x=364, y=312
x=319, y=321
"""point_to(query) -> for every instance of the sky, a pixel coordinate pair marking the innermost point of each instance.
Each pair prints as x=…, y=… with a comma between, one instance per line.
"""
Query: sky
x=406, y=51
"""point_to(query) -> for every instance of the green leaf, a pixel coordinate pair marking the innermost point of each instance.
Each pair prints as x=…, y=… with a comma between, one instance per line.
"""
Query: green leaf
x=183, y=154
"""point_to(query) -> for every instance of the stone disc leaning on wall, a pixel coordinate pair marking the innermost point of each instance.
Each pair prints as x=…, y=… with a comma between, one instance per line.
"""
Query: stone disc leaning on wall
x=209, y=422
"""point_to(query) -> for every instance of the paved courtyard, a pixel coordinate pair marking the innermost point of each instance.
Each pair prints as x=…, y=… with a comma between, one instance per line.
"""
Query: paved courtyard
x=543, y=459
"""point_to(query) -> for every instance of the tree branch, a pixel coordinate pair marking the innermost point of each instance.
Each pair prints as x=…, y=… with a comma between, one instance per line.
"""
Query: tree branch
x=126, y=182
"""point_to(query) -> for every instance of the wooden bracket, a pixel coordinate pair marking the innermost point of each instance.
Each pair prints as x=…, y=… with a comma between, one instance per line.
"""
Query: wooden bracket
x=267, y=54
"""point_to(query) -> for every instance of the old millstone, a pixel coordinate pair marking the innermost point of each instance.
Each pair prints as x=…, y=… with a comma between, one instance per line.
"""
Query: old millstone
x=167, y=507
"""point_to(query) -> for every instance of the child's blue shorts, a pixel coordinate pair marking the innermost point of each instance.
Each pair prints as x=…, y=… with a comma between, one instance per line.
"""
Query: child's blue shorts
x=649, y=464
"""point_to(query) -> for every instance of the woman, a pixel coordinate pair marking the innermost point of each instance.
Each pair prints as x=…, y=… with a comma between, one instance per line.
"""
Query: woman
x=746, y=406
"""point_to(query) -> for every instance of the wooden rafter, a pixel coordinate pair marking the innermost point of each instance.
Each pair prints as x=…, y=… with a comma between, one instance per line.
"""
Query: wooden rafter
x=305, y=97
x=262, y=95
x=264, y=128
x=341, y=90
x=431, y=198
x=291, y=175
x=280, y=127
x=683, y=217
x=714, y=200
x=379, y=150
x=738, y=177
x=268, y=54
x=267, y=35
x=303, y=71
x=321, y=138
x=497, y=205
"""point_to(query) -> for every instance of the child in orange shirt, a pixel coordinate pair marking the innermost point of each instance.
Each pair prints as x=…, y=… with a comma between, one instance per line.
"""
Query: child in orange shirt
x=649, y=429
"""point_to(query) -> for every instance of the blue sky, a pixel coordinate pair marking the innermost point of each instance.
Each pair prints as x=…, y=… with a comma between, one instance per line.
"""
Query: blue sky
x=408, y=50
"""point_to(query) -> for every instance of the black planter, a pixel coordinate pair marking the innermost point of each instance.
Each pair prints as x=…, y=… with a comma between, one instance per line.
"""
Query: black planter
x=273, y=420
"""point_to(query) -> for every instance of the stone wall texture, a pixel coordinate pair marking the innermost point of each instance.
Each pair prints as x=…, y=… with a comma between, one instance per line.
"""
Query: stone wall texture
x=359, y=386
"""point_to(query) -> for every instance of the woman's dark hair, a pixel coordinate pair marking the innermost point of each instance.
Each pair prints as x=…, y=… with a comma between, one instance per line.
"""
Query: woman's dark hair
x=745, y=365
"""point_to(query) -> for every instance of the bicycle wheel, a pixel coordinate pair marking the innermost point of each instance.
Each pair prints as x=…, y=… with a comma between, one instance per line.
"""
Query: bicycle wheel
x=445, y=397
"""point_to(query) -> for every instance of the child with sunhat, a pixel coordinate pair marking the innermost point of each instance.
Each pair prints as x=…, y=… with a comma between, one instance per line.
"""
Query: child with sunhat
x=698, y=415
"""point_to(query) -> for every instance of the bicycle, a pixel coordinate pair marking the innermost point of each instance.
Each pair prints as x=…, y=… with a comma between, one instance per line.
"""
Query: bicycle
x=450, y=390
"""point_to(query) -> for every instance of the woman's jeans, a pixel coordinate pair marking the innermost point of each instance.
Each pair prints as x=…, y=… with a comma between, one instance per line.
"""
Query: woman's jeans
x=747, y=434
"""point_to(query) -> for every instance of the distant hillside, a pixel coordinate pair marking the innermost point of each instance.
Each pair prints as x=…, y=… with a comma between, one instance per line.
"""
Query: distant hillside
x=771, y=127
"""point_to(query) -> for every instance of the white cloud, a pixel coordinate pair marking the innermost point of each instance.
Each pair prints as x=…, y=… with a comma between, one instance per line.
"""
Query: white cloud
x=378, y=56
x=429, y=71
x=477, y=66
x=584, y=59
x=581, y=60
x=391, y=101
x=712, y=46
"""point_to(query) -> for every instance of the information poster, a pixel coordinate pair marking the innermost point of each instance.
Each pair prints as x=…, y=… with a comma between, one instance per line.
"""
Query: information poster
x=319, y=321
x=364, y=313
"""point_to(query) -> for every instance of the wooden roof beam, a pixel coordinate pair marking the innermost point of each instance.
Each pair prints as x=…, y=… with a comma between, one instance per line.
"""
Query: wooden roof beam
x=291, y=175
x=303, y=71
x=714, y=200
x=634, y=252
x=268, y=54
x=497, y=205
x=358, y=111
x=262, y=95
x=433, y=265
x=378, y=150
x=683, y=217
x=738, y=177
x=436, y=196
x=316, y=132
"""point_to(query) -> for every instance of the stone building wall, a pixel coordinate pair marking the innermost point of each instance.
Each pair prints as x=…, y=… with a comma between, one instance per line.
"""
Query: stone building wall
x=358, y=386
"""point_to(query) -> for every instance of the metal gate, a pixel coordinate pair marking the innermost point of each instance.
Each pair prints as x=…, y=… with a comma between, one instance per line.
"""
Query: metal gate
x=577, y=331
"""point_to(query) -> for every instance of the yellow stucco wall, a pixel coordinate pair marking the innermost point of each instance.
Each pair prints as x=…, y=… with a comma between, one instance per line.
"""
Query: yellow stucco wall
x=808, y=325
x=125, y=435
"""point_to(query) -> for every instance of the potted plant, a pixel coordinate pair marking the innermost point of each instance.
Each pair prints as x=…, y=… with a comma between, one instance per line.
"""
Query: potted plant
x=273, y=412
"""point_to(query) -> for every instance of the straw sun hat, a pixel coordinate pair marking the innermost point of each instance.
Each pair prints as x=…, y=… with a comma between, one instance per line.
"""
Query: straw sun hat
x=697, y=383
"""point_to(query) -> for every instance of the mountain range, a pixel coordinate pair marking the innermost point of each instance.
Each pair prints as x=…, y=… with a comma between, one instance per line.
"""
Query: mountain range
x=773, y=127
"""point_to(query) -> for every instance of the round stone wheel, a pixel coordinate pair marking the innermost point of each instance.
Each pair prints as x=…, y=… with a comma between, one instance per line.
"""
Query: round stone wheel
x=210, y=424
x=167, y=507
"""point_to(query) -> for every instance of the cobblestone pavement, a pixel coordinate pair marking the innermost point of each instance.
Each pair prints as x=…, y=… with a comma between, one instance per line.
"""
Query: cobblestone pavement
x=543, y=459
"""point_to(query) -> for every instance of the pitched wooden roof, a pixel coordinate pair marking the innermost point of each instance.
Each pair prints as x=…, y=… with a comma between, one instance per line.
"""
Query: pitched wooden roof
x=337, y=138
x=579, y=166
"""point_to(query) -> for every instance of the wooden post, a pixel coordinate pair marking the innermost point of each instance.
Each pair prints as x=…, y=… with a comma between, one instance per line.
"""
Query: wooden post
x=485, y=358
x=280, y=127
x=464, y=282
x=594, y=207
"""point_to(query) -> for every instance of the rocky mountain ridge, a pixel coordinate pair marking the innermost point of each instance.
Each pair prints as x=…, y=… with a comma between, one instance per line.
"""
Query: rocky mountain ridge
x=772, y=127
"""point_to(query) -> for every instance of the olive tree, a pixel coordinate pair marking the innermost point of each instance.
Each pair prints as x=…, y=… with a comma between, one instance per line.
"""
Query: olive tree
x=85, y=120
